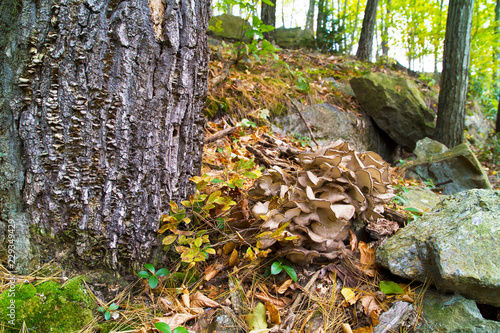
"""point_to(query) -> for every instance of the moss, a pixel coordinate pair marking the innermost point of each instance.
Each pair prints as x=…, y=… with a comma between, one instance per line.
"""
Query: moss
x=48, y=307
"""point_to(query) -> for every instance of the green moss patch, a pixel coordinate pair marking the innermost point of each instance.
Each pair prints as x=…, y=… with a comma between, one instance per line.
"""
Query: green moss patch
x=46, y=307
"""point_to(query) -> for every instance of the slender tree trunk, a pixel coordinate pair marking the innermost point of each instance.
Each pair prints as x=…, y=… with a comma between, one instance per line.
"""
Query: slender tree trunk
x=367, y=31
x=436, y=46
x=355, y=27
x=455, y=76
x=101, y=126
x=268, y=16
x=320, y=23
x=310, y=15
x=385, y=32
x=496, y=73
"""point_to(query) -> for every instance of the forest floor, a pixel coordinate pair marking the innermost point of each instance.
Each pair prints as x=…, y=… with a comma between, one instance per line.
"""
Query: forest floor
x=221, y=270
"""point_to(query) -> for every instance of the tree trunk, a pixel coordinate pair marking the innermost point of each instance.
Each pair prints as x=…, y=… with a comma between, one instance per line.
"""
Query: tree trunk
x=385, y=31
x=310, y=15
x=455, y=75
x=268, y=16
x=497, y=65
x=101, y=126
x=321, y=23
x=367, y=31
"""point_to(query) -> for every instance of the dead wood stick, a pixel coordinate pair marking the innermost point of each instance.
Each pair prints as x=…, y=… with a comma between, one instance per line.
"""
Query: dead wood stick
x=220, y=134
x=308, y=286
x=305, y=122
x=393, y=215
x=259, y=156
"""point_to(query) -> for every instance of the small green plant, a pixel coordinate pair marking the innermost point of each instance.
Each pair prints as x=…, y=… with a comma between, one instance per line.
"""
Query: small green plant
x=109, y=311
x=278, y=266
x=152, y=275
x=303, y=141
x=165, y=328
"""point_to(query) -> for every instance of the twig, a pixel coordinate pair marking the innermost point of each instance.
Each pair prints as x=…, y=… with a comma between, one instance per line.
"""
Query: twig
x=393, y=215
x=305, y=122
x=306, y=288
x=220, y=134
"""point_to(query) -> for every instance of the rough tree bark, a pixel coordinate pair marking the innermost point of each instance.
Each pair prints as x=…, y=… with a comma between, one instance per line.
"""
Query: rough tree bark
x=268, y=16
x=365, y=44
x=101, y=125
x=455, y=75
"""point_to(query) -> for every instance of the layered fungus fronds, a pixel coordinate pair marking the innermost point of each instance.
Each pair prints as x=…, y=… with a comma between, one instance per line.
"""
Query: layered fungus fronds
x=312, y=208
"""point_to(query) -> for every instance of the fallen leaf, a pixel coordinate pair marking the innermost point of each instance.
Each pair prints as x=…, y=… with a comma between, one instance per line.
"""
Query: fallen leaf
x=284, y=286
x=273, y=313
x=167, y=305
x=233, y=259
x=367, y=254
x=198, y=300
x=185, y=297
x=353, y=242
x=349, y=295
x=366, y=329
x=370, y=305
x=390, y=287
x=175, y=320
x=256, y=319
x=228, y=247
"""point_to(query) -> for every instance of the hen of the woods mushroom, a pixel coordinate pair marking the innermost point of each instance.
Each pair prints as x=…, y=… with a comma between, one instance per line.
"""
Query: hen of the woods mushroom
x=313, y=205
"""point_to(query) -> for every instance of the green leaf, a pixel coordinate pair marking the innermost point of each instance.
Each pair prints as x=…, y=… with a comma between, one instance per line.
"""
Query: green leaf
x=389, y=287
x=162, y=272
x=250, y=175
x=163, y=327
x=150, y=267
x=181, y=329
x=101, y=309
x=107, y=315
x=144, y=274
x=217, y=181
x=413, y=209
x=113, y=307
x=267, y=2
x=153, y=282
x=276, y=268
x=290, y=272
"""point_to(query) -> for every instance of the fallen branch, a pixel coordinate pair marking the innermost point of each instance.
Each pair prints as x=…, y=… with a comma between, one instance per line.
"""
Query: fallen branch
x=220, y=134
x=305, y=122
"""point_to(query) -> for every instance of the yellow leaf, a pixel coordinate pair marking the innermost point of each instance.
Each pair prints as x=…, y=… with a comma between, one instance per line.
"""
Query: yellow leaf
x=349, y=295
x=169, y=239
x=233, y=259
x=228, y=247
x=274, y=313
x=173, y=207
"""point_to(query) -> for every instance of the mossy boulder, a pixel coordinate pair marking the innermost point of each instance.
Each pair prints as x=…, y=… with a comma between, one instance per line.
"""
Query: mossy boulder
x=46, y=307
x=456, y=169
x=456, y=246
x=232, y=27
x=396, y=105
x=294, y=38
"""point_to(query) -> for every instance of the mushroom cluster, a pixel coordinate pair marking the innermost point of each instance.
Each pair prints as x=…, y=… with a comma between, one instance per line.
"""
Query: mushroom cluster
x=314, y=205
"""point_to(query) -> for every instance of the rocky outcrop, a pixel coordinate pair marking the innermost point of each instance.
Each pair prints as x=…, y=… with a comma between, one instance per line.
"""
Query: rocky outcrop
x=456, y=245
x=455, y=169
x=452, y=313
x=294, y=38
x=329, y=124
x=397, y=107
x=231, y=27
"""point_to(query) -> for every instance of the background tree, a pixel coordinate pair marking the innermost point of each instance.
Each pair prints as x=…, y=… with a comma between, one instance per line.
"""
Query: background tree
x=310, y=15
x=454, y=78
x=496, y=73
x=367, y=31
x=268, y=16
x=101, y=125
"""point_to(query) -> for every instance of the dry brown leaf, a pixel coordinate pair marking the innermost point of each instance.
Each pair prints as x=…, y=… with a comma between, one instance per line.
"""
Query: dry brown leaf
x=274, y=313
x=198, y=300
x=185, y=297
x=212, y=271
x=353, y=242
x=175, y=320
x=370, y=305
x=367, y=254
x=228, y=247
x=284, y=286
x=233, y=259
x=366, y=329
x=167, y=305
x=269, y=298
x=406, y=298
x=349, y=295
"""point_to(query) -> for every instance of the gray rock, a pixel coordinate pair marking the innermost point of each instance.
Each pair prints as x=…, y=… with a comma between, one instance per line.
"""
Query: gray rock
x=294, y=38
x=396, y=105
x=342, y=87
x=459, y=165
x=457, y=245
x=477, y=126
x=452, y=314
x=421, y=198
x=329, y=124
x=233, y=27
